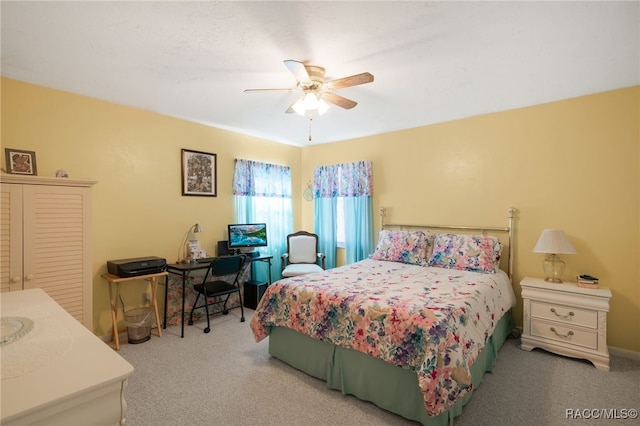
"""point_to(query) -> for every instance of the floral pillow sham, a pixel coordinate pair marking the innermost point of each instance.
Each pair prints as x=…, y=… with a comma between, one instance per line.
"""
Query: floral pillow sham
x=410, y=247
x=476, y=253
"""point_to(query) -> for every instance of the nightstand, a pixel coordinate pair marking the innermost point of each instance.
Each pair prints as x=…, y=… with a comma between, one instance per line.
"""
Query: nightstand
x=566, y=319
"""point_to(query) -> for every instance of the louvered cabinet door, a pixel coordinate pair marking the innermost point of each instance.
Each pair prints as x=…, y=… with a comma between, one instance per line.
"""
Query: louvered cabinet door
x=45, y=240
x=11, y=276
x=57, y=245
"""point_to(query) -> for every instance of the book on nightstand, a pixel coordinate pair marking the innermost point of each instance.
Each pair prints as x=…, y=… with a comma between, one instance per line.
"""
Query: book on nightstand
x=587, y=281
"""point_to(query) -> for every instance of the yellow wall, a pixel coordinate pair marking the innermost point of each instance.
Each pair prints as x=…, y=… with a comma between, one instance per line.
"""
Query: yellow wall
x=138, y=207
x=571, y=164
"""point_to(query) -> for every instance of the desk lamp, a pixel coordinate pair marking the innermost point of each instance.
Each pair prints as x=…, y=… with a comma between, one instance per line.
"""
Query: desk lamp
x=183, y=256
x=553, y=242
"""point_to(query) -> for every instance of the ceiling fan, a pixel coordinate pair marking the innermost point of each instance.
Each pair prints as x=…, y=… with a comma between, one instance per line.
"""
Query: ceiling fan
x=315, y=91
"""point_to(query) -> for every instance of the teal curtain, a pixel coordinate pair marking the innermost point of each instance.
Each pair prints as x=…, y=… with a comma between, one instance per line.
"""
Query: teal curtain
x=262, y=193
x=353, y=182
x=325, y=227
x=358, y=228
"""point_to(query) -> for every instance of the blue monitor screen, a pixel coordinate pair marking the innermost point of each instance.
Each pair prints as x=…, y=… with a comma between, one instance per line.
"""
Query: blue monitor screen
x=247, y=235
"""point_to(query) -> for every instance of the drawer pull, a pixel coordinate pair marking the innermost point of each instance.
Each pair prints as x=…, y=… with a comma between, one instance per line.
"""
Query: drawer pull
x=565, y=336
x=568, y=316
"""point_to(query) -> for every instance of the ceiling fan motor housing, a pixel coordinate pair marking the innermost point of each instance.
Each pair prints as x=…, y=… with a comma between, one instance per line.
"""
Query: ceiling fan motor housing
x=316, y=73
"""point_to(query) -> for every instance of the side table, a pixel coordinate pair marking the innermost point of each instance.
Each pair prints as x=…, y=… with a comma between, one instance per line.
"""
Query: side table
x=114, y=282
x=566, y=319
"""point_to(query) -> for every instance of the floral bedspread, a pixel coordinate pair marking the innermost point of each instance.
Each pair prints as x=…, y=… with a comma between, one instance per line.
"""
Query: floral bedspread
x=433, y=321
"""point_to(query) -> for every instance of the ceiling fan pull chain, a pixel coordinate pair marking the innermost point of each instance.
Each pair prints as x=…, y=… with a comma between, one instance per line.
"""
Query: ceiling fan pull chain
x=310, y=120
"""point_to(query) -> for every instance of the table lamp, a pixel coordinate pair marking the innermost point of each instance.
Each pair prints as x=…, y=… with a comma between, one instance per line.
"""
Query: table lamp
x=553, y=242
x=183, y=257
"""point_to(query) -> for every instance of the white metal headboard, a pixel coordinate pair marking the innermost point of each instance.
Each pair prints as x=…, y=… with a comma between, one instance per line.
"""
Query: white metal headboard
x=509, y=230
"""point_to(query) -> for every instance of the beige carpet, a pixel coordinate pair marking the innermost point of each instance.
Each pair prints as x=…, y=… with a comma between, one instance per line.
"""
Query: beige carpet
x=225, y=378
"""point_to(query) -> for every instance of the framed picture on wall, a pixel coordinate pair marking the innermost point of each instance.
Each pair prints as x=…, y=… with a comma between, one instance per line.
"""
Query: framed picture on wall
x=199, y=173
x=20, y=162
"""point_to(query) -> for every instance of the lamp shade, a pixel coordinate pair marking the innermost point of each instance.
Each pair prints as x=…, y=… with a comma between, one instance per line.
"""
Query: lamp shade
x=554, y=241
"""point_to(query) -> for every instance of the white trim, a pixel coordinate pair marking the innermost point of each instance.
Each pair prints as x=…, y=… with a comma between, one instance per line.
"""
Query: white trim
x=624, y=353
x=44, y=180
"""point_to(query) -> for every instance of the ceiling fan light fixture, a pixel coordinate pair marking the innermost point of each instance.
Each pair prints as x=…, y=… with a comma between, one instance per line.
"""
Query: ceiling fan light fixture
x=299, y=107
x=310, y=101
x=322, y=106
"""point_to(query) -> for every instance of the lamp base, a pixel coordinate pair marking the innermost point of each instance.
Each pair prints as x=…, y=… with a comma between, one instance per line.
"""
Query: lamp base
x=553, y=268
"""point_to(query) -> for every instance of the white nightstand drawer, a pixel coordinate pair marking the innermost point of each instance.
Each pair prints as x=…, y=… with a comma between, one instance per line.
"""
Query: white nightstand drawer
x=567, y=314
x=564, y=333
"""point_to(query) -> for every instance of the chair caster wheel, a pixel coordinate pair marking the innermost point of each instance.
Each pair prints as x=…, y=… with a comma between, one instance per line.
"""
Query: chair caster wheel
x=206, y=330
x=190, y=322
x=242, y=319
x=225, y=312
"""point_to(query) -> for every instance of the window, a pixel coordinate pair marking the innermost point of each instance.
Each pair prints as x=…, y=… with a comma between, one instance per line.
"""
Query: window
x=343, y=210
x=262, y=193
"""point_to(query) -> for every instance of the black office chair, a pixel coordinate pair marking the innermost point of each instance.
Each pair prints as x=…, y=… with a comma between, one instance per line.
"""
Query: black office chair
x=213, y=286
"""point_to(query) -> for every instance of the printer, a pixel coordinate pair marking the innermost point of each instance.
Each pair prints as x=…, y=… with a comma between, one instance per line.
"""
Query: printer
x=137, y=266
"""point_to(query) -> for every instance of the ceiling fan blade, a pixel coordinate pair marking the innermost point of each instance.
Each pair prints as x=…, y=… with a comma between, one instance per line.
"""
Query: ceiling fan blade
x=298, y=70
x=338, y=100
x=270, y=90
x=354, y=80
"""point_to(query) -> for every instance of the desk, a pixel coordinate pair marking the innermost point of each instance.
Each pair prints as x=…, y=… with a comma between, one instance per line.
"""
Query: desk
x=185, y=269
x=113, y=296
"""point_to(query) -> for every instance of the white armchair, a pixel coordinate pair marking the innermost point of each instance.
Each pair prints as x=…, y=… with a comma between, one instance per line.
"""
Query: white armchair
x=302, y=255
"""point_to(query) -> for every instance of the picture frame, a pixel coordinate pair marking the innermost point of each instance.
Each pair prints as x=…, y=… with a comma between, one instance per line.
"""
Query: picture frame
x=199, y=173
x=20, y=162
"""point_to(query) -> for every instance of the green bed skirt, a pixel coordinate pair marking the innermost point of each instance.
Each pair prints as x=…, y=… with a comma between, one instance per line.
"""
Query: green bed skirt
x=371, y=379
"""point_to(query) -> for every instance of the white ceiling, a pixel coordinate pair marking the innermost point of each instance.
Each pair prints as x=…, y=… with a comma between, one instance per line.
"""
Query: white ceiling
x=432, y=61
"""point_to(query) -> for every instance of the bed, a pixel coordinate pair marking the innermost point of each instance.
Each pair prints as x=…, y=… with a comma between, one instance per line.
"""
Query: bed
x=411, y=329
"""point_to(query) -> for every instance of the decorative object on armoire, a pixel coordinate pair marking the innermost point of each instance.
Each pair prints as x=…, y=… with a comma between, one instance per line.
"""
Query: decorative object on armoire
x=553, y=242
x=20, y=162
x=62, y=173
x=199, y=173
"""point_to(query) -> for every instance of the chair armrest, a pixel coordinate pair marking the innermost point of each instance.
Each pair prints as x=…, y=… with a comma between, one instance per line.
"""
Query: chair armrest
x=321, y=256
x=284, y=260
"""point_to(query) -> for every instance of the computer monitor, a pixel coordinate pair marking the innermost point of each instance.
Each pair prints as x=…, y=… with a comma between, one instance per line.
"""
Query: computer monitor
x=247, y=236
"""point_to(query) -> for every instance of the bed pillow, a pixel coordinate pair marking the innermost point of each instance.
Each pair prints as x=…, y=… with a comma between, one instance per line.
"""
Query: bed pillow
x=403, y=246
x=476, y=253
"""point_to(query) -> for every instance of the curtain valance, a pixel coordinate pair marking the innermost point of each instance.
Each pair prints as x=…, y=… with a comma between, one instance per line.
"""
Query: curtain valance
x=256, y=179
x=344, y=180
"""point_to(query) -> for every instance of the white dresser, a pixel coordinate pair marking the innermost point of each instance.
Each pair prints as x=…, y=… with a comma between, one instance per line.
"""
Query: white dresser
x=566, y=319
x=59, y=373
